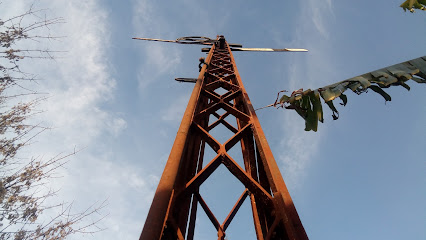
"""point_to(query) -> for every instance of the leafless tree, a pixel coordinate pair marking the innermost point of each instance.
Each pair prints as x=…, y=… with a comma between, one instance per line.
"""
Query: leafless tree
x=24, y=183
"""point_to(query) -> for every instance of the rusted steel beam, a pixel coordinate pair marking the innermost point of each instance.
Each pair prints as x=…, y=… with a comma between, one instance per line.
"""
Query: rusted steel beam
x=213, y=143
x=256, y=219
x=235, y=112
x=213, y=125
x=177, y=230
x=271, y=167
x=212, y=77
x=187, y=170
x=228, y=80
x=245, y=179
x=264, y=214
x=213, y=97
x=193, y=215
x=274, y=215
x=192, y=218
x=263, y=179
x=233, y=95
x=272, y=229
x=218, y=116
x=213, y=85
x=208, y=111
x=237, y=137
x=209, y=213
x=228, y=126
x=221, y=70
x=234, y=210
x=221, y=120
x=249, y=154
x=157, y=215
x=226, y=84
x=201, y=176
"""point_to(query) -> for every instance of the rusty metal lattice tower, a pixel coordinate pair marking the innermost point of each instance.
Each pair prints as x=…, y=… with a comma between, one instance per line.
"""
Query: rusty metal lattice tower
x=173, y=211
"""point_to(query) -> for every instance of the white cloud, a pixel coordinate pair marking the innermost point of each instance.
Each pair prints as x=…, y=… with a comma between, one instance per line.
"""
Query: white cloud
x=117, y=125
x=158, y=59
x=175, y=110
x=319, y=12
x=127, y=189
x=299, y=147
x=80, y=82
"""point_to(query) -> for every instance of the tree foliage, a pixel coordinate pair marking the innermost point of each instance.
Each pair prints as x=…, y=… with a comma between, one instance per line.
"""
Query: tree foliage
x=24, y=183
x=410, y=5
x=308, y=103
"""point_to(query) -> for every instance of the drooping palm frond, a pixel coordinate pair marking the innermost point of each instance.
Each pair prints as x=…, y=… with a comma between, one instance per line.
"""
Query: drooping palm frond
x=308, y=104
x=414, y=4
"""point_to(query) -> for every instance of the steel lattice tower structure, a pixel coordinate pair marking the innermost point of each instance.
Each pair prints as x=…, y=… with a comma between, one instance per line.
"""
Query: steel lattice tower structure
x=173, y=211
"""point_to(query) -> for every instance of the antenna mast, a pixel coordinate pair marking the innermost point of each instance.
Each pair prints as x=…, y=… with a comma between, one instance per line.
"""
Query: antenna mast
x=174, y=208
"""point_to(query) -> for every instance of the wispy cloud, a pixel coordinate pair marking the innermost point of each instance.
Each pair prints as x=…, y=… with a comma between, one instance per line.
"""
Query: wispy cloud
x=80, y=83
x=157, y=59
x=299, y=147
x=319, y=13
x=175, y=110
x=128, y=190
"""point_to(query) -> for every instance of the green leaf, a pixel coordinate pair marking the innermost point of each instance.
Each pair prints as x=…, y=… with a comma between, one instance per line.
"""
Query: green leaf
x=411, y=4
x=381, y=92
x=308, y=103
x=314, y=111
x=363, y=81
x=402, y=75
x=305, y=103
x=417, y=79
x=301, y=106
x=333, y=108
x=354, y=86
x=330, y=93
x=291, y=100
x=284, y=99
x=317, y=106
x=311, y=122
x=344, y=99
x=405, y=85
x=383, y=78
x=327, y=94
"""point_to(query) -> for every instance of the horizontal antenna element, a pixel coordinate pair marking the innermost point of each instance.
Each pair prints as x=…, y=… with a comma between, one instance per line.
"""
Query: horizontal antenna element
x=199, y=40
x=189, y=40
x=192, y=80
x=270, y=49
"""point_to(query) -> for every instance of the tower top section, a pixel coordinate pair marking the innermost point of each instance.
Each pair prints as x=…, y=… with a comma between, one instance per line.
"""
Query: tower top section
x=200, y=40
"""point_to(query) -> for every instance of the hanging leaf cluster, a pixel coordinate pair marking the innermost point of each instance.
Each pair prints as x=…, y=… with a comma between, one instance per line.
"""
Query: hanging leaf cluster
x=410, y=5
x=308, y=103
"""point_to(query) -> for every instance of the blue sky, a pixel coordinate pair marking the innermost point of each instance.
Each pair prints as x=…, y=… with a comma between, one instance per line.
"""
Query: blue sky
x=362, y=176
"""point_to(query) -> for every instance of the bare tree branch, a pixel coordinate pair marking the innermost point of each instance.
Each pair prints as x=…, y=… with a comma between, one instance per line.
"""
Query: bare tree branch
x=24, y=184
